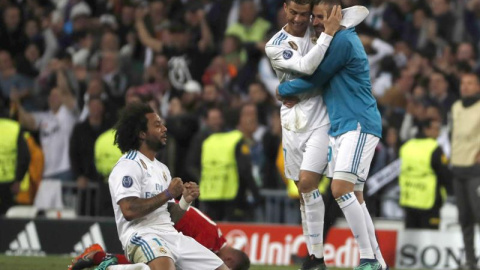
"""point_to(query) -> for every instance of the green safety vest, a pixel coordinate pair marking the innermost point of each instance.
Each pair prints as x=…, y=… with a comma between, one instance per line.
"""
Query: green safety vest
x=8, y=149
x=417, y=180
x=107, y=153
x=219, y=177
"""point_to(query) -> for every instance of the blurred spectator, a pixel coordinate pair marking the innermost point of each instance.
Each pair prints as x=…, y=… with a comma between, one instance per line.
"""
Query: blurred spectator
x=445, y=19
x=11, y=31
x=424, y=171
x=81, y=151
x=11, y=82
x=116, y=81
x=420, y=31
x=28, y=62
x=55, y=127
x=435, y=113
x=190, y=96
x=200, y=32
x=14, y=160
x=272, y=141
x=263, y=100
x=182, y=126
x=226, y=176
x=82, y=142
x=250, y=27
x=187, y=60
x=377, y=50
x=466, y=161
x=472, y=19
x=375, y=17
x=441, y=92
x=252, y=30
x=386, y=202
x=212, y=123
x=416, y=113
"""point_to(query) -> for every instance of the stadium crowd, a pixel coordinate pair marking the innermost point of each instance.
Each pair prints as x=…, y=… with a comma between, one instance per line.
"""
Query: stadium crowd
x=68, y=66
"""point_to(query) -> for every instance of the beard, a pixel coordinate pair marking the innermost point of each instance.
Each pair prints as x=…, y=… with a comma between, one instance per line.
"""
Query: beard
x=155, y=145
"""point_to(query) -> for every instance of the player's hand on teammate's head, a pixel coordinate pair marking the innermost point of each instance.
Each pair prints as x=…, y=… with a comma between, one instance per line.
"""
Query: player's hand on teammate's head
x=332, y=22
x=176, y=187
x=191, y=191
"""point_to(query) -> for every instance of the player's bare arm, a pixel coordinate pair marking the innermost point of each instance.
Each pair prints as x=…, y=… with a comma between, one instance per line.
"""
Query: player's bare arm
x=190, y=193
x=134, y=207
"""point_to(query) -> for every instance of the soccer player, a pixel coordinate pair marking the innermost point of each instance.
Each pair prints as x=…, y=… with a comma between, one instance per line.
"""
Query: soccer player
x=194, y=224
x=355, y=127
x=294, y=51
x=142, y=192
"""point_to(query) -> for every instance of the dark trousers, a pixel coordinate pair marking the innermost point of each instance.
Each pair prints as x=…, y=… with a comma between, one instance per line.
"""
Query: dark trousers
x=467, y=193
x=6, y=197
x=422, y=219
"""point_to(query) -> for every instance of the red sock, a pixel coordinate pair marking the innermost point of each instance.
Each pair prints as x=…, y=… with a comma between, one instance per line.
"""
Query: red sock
x=99, y=256
x=122, y=259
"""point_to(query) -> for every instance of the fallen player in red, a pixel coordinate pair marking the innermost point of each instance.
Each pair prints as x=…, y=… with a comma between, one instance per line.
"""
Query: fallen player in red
x=194, y=224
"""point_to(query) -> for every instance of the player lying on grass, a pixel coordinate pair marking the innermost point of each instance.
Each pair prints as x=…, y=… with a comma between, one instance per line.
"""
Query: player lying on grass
x=194, y=224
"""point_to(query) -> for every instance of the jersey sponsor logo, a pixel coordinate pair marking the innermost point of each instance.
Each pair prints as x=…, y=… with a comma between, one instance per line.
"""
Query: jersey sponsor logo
x=293, y=45
x=287, y=54
x=127, y=181
x=143, y=164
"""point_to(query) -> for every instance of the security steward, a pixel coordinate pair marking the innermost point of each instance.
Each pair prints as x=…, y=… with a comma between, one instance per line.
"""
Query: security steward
x=423, y=173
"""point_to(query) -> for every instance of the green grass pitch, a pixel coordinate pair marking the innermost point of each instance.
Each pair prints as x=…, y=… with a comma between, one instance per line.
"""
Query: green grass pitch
x=61, y=262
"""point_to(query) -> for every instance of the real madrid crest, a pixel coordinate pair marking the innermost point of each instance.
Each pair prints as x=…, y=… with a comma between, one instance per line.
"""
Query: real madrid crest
x=143, y=164
x=293, y=45
x=165, y=176
x=314, y=39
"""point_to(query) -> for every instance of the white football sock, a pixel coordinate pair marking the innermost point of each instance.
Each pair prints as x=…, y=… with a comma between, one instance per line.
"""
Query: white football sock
x=371, y=235
x=305, y=229
x=137, y=266
x=315, y=213
x=356, y=220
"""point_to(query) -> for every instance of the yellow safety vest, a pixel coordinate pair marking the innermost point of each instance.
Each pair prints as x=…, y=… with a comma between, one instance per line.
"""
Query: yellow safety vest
x=8, y=149
x=417, y=180
x=219, y=177
x=106, y=153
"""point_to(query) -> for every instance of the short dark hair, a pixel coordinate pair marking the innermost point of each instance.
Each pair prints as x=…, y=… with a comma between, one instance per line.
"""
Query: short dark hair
x=328, y=2
x=243, y=260
x=132, y=121
x=300, y=2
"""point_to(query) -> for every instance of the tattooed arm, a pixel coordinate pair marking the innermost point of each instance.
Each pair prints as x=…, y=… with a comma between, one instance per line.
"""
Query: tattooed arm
x=134, y=207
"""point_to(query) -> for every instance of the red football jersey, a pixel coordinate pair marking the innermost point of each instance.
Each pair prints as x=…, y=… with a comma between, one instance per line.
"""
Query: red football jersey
x=201, y=228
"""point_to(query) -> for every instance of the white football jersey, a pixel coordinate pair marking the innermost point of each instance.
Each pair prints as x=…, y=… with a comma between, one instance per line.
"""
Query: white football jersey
x=135, y=175
x=292, y=57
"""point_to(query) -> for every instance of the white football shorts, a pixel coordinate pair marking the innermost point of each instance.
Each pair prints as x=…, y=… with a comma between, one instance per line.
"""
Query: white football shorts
x=350, y=156
x=146, y=245
x=306, y=151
